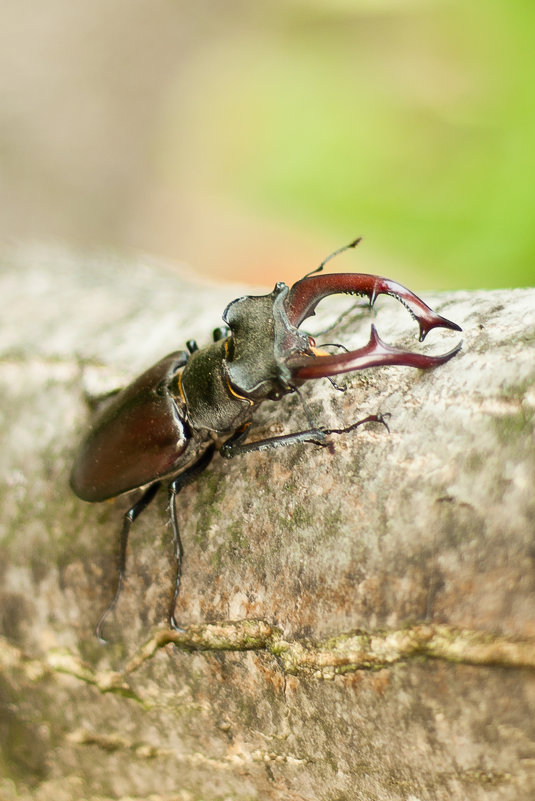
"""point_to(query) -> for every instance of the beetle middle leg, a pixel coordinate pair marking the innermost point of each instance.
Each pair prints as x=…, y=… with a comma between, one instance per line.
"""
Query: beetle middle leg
x=175, y=486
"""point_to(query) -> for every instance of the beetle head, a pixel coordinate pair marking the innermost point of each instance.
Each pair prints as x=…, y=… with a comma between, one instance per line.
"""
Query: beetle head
x=262, y=345
x=267, y=355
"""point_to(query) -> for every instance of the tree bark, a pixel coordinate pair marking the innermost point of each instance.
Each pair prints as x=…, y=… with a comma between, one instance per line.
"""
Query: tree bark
x=359, y=620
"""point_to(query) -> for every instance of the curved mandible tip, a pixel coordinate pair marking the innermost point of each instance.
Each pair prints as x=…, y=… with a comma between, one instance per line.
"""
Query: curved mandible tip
x=305, y=295
x=374, y=354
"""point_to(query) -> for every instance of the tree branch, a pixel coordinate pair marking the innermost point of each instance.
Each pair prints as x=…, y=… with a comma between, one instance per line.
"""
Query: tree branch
x=399, y=566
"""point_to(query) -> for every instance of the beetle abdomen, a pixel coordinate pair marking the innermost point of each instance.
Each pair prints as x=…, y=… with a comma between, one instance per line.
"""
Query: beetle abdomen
x=138, y=438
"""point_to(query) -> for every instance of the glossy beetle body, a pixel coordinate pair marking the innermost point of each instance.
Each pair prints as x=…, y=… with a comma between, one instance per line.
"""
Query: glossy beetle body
x=139, y=437
x=169, y=422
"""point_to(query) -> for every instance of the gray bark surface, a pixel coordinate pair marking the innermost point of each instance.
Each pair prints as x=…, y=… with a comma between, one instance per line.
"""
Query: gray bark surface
x=359, y=622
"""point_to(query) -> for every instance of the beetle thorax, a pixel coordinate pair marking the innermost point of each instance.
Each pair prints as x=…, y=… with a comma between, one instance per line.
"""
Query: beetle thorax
x=223, y=382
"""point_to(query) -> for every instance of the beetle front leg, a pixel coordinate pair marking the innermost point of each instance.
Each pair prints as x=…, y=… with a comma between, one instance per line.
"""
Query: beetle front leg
x=129, y=517
x=316, y=436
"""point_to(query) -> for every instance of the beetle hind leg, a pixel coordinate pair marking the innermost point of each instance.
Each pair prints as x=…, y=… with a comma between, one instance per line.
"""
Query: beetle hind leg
x=132, y=514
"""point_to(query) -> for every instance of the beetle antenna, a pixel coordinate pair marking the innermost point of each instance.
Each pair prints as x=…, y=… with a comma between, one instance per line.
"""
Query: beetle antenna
x=352, y=244
x=331, y=380
x=333, y=345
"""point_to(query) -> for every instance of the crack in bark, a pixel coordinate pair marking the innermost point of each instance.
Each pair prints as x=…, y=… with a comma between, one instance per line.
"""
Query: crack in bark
x=349, y=652
x=64, y=662
x=352, y=651
x=142, y=750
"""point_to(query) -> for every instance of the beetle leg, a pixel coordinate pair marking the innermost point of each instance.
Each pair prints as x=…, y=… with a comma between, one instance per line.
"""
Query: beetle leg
x=362, y=307
x=181, y=481
x=314, y=435
x=232, y=446
x=305, y=295
x=129, y=517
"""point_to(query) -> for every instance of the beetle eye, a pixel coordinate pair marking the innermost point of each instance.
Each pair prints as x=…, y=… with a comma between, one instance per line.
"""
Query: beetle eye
x=311, y=342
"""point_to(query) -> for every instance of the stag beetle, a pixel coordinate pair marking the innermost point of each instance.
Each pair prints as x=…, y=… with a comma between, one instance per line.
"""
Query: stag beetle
x=167, y=425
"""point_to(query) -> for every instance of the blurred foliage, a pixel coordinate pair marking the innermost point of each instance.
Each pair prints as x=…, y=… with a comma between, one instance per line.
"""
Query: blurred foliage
x=244, y=137
x=416, y=129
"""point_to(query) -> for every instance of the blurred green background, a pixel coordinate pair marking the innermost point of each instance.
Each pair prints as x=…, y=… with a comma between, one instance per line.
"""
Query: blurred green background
x=250, y=139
